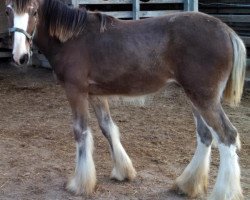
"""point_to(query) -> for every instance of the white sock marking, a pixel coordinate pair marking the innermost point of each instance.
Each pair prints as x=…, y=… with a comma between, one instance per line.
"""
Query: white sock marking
x=85, y=174
x=193, y=181
x=123, y=167
x=201, y=158
x=227, y=186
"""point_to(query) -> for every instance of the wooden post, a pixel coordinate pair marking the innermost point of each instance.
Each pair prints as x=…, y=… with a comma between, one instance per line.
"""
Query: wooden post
x=194, y=6
x=136, y=9
x=191, y=5
x=186, y=5
x=75, y=3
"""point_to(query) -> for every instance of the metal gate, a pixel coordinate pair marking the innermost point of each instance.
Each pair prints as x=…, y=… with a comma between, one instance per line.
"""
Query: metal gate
x=135, y=11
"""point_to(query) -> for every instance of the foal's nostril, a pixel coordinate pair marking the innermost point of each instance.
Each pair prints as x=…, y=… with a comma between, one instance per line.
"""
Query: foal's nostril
x=24, y=59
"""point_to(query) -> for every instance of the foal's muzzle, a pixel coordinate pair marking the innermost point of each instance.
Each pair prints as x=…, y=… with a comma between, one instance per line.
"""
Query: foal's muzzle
x=24, y=59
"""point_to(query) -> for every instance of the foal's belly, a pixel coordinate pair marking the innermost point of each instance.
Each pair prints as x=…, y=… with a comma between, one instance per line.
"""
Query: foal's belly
x=128, y=86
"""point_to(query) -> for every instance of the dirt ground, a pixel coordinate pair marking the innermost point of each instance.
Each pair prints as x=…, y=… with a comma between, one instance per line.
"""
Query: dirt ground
x=38, y=151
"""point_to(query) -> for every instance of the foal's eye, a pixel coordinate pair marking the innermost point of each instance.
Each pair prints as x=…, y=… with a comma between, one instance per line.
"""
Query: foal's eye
x=35, y=13
x=7, y=12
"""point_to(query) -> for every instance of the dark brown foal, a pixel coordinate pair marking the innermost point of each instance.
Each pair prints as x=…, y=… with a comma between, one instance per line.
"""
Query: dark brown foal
x=96, y=56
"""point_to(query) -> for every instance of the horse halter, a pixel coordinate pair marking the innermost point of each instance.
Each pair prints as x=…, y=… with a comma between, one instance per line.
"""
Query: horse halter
x=28, y=36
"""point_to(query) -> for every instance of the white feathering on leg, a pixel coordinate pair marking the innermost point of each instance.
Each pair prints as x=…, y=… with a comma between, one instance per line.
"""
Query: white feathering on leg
x=194, y=180
x=84, y=179
x=123, y=168
x=227, y=186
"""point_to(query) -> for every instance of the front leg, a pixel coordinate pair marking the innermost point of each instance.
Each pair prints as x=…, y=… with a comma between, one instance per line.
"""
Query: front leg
x=84, y=179
x=123, y=167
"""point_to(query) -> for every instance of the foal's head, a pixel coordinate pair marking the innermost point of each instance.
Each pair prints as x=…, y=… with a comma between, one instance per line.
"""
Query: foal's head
x=23, y=16
x=61, y=22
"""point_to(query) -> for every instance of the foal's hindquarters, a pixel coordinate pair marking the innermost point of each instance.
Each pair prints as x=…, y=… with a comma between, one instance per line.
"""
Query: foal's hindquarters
x=212, y=123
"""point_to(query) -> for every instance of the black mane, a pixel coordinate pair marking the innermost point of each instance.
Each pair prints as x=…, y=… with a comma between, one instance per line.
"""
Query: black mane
x=62, y=21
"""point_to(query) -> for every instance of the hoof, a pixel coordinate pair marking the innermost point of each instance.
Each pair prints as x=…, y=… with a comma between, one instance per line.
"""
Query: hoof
x=191, y=188
x=121, y=174
x=78, y=187
x=176, y=190
x=235, y=197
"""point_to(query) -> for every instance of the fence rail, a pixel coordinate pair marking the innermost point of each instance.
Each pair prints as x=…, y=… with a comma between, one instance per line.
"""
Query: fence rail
x=77, y=2
x=135, y=11
x=234, y=18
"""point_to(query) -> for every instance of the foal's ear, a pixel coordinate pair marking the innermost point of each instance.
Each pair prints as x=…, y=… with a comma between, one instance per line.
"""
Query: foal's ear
x=7, y=2
x=39, y=2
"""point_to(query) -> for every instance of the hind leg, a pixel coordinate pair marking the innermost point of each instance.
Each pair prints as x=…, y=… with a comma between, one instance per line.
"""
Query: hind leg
x=227, y=186
x=123, y=168
x=194, y=180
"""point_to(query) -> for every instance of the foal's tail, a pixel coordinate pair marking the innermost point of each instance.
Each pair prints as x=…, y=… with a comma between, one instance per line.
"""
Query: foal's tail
x=234, y=87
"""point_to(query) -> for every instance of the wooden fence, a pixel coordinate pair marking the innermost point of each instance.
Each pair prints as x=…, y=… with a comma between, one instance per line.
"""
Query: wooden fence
x=3, y=20
x=136, y=9
x=236, y=13
x=4, y=39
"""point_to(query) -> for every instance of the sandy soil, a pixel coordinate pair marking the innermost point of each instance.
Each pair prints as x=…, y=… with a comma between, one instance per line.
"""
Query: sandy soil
x=38, y=151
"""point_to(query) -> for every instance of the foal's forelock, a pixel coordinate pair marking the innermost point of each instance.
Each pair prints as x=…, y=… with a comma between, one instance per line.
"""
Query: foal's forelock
x=20, y=6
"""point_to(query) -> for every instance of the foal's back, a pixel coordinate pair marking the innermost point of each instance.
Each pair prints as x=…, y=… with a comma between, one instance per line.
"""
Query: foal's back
x=138, y=57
